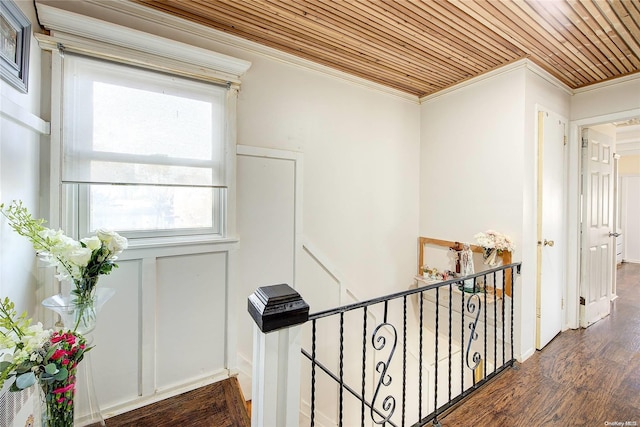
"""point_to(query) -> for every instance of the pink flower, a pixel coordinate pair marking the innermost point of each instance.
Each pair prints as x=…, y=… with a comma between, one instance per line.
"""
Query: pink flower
x=65, y=389
x=58, y=354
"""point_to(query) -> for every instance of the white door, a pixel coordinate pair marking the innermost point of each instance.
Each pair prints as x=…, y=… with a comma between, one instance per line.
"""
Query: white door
x=598, y=243
x=265, y=204
x=551, y=220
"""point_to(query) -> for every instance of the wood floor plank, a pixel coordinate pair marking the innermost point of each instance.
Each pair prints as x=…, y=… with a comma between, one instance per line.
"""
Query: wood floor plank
x=217, y=405
x=584, y=377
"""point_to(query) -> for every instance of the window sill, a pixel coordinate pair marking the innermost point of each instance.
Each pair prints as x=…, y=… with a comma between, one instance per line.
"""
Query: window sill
x=175, y=241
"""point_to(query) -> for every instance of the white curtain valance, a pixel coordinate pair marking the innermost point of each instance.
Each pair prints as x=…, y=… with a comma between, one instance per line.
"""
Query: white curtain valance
x=94, y=37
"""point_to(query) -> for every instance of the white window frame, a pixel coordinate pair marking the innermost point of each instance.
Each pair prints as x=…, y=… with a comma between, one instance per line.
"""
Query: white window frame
x=76, y=190
x=92, y=37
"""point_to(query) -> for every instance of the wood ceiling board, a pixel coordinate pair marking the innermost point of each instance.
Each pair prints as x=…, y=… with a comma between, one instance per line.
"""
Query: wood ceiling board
x=423, y=46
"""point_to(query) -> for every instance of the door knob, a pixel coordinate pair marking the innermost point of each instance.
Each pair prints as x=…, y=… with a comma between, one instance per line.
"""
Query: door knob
x=549, y=243
x=614, y=234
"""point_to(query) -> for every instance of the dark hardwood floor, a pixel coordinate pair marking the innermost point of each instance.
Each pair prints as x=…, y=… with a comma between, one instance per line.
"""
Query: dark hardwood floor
x=584, y=377
x=217, y=405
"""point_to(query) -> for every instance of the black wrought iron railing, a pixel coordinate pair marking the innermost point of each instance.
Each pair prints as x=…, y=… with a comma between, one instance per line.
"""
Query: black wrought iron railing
x=406, y=358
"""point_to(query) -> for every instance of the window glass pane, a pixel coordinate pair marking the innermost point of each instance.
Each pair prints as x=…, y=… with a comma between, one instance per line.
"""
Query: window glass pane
x=160, y=137
x=134, y=121
x=146, y=208
x=120, y=114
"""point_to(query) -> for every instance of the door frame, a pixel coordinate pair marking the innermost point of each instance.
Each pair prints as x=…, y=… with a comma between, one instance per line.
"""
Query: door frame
x=574, y=208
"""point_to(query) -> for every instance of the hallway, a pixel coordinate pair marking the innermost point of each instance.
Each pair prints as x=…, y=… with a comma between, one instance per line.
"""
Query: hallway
x=584, y=377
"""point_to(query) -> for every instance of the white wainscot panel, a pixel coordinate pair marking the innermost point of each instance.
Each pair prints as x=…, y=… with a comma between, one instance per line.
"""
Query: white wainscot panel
x=190, y=318
x=116, y=356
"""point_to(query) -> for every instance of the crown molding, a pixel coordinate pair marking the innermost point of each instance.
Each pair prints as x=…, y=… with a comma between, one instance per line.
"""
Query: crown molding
x=524, y=63
x=611, y=82
x=147, y=14
x=544, y=74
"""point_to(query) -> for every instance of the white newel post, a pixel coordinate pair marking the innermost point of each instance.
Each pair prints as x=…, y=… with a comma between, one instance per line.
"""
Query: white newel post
x=278, y=311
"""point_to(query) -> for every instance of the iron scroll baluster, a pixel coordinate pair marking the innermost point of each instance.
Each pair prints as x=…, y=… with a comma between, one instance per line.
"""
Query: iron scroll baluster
x=313, y=373
x=379, y=342
x=381, y=370
x=364, y=362
x=474, y=305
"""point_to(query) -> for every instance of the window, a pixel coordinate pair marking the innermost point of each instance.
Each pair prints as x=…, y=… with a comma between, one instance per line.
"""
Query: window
x=142, y=152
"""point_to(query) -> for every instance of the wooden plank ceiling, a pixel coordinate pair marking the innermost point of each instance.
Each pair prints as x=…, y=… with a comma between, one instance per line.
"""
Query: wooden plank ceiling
x=423, y=46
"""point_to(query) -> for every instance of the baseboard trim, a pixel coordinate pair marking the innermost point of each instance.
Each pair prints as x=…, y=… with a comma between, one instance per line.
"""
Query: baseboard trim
x=527, y=354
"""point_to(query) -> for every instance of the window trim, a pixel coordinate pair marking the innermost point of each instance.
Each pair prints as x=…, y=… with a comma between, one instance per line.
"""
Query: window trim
x=95, y=38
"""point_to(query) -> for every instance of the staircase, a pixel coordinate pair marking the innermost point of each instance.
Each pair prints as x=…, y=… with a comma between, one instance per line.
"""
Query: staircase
x=214, y=405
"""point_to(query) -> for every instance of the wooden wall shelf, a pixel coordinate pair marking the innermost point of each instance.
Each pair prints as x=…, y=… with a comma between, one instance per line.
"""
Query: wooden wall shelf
x=457, y=246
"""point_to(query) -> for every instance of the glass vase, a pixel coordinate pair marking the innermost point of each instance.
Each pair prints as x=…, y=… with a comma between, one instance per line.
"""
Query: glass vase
x=79, y=315
x=82, y=317
x=57, y=402
x=490, y=256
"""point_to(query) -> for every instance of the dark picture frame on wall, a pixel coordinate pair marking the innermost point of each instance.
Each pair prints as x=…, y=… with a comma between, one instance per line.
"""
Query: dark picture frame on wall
x=15, y=37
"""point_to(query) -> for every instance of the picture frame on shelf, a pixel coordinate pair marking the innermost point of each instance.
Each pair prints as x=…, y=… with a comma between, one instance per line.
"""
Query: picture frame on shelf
x=15, y=38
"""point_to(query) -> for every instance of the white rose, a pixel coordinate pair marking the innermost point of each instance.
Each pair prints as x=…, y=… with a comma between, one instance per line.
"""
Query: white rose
x=64, y=246
x=114, y=242
x=92, y=243
x=79, y=256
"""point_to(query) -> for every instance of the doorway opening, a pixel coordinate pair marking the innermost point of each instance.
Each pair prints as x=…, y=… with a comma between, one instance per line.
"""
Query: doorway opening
x=625, y=128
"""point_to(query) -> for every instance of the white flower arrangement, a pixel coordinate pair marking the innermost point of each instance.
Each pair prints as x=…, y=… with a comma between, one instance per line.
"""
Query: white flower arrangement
x=494, y=243
x=491, y=239
x=80, y=261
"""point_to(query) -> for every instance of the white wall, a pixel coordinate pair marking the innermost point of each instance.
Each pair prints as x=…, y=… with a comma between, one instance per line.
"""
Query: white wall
x=630, y=165
x=472, y=164
x=630, y=195
x=360, y=167
x=478, y=169
x=21, y=126
x=606, y=98
x=469, y=181
x=629, y=178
